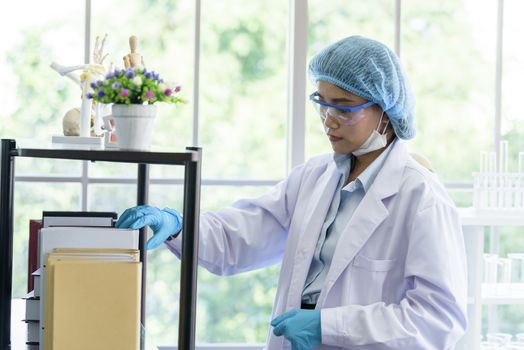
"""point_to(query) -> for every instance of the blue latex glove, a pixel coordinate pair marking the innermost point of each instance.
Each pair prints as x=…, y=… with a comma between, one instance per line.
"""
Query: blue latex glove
x=300, y=327
x=164, y=223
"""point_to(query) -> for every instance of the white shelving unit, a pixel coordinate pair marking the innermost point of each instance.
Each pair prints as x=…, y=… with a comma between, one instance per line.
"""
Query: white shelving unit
x=474, y=223
x=503, y=294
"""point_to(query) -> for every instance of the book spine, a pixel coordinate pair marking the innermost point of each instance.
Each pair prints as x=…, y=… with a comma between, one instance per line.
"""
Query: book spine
x=32, y=254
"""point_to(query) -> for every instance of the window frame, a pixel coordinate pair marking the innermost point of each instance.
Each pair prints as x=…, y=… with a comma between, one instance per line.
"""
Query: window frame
x=296, y=96
x=295, y=140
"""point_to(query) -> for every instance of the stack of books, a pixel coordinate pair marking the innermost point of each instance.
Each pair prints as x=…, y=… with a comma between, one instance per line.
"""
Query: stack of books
x=84, y=283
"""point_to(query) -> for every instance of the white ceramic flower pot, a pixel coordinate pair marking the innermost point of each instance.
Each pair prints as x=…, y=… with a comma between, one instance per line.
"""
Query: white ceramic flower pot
x=134, y=126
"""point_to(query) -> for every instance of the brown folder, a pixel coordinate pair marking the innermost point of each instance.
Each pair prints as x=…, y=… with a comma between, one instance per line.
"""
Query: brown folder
x=92, y=303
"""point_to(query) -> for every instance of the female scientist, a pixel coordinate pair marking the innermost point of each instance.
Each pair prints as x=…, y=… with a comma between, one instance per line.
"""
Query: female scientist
x=370, y=243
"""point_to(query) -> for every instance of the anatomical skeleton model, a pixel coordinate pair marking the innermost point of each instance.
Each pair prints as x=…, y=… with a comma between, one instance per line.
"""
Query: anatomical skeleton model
x=79, y=124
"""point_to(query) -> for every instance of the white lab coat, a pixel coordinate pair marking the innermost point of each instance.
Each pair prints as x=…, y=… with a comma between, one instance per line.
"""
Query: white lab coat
x=398, y=275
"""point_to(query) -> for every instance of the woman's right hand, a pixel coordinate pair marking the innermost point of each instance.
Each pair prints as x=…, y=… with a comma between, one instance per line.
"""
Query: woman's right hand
x=164, y=222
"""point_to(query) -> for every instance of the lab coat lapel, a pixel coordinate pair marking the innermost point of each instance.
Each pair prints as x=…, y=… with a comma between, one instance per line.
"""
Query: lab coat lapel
x=370, y=213
x=358, y=230
x=314, y=217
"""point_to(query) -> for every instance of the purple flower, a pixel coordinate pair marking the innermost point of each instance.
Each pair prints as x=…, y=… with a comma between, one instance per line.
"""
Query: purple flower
x=109, y=75
x=148, y=75
x=116, y=73
x=178, y=88
x=156, y=76
x=168, y=92
x=116, y=85
x=89, y=95
x=99, y=83
x=149, y=94
x=124, y=93
x=100, y=93
x=92, y=85
x=130, y=73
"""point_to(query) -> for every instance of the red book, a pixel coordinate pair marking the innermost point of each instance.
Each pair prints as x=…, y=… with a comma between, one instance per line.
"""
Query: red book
x=32, y=256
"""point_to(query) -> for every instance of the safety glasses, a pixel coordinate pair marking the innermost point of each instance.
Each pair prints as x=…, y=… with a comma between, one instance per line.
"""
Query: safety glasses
x=347, y=115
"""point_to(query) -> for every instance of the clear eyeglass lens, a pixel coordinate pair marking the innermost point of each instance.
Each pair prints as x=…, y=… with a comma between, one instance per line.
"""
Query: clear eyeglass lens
x=343, y=117
x=338, y=114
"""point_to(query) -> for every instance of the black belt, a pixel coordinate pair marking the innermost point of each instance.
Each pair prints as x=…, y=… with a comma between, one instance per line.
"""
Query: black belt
x=305, y=306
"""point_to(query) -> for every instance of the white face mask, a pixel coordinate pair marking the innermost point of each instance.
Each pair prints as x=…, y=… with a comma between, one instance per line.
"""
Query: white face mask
x=375, y=141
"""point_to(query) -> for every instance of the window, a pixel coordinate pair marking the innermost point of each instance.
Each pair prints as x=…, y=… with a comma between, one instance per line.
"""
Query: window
x=512, y=124
x=448, y=48
x=449, y=59
x=33, y=96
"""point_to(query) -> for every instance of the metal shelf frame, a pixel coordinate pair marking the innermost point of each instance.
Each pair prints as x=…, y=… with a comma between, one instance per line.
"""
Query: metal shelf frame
x=190, y=159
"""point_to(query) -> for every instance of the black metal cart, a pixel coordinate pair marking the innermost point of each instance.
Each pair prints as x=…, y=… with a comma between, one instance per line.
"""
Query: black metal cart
x=190, y=159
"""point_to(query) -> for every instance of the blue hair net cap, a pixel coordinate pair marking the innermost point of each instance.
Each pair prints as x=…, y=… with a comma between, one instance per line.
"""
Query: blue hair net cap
x=369, y=69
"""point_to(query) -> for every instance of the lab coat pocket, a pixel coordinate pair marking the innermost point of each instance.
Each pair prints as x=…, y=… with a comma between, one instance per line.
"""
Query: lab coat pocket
x=368, y=279
x=373, y=264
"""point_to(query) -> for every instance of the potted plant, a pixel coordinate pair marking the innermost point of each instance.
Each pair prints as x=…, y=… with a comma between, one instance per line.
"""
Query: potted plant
x=133, y=92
